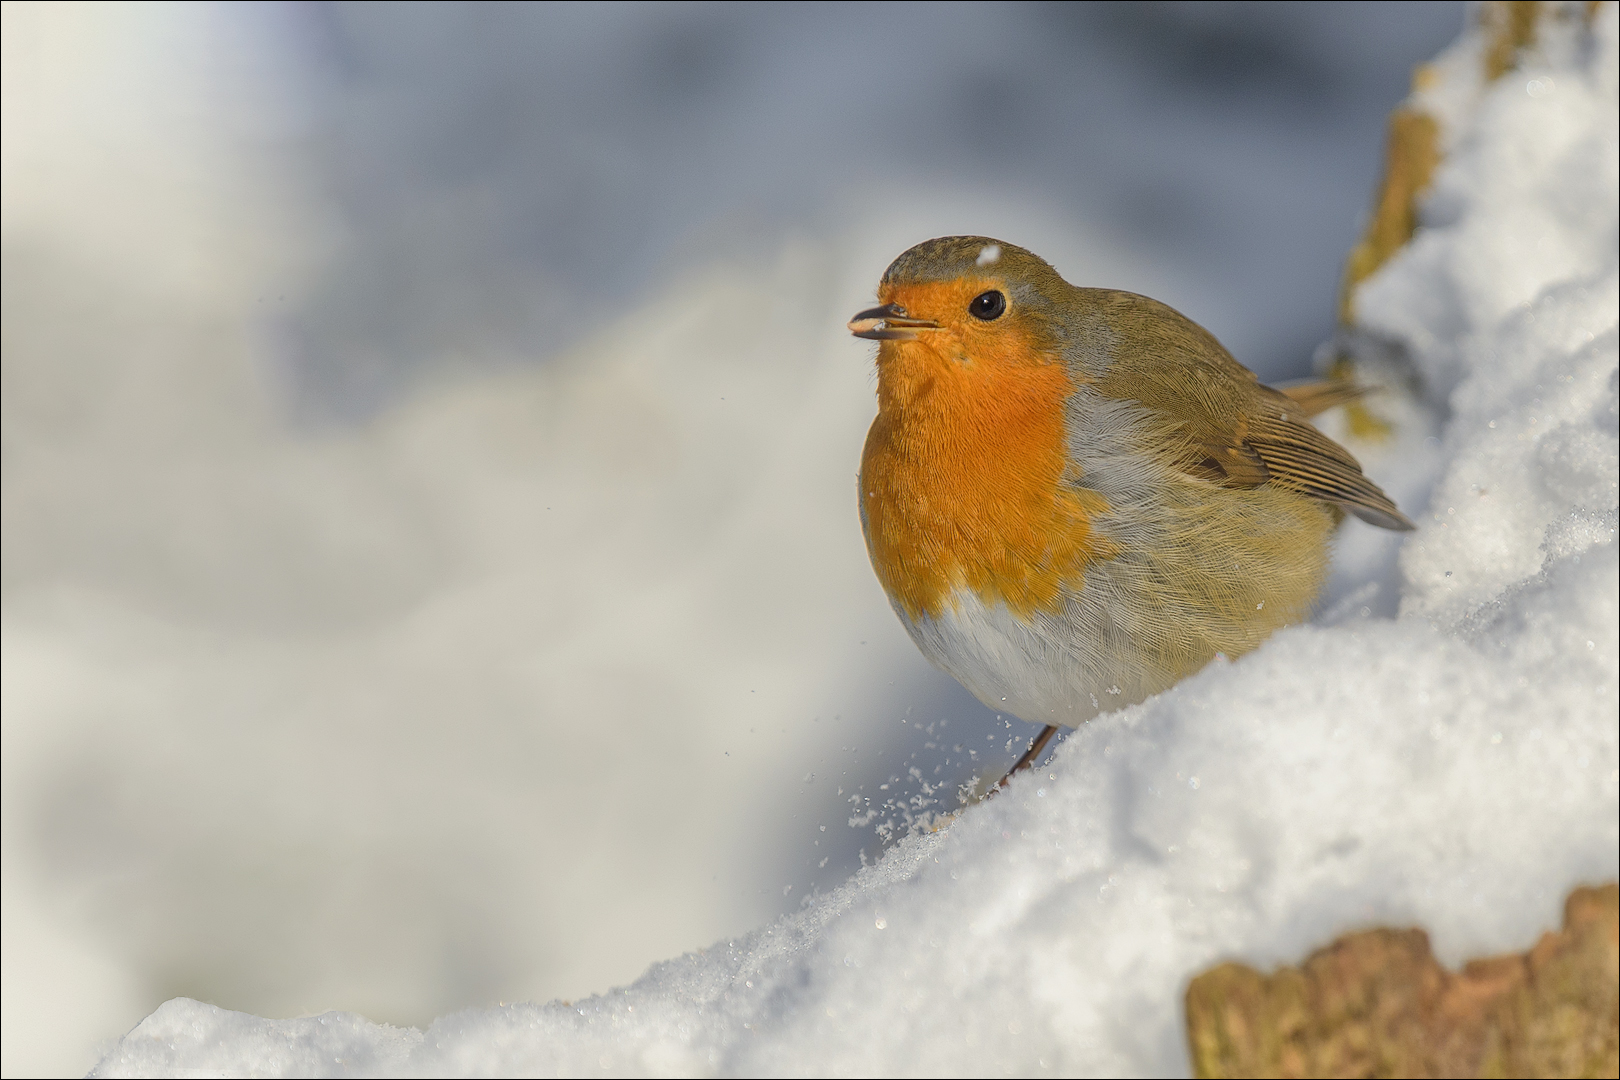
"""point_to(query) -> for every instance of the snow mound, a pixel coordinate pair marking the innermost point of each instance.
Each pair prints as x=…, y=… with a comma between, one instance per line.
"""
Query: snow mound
x=1455, y=766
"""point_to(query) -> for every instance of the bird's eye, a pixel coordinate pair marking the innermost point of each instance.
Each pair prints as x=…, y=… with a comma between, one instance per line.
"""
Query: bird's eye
x=988, y=305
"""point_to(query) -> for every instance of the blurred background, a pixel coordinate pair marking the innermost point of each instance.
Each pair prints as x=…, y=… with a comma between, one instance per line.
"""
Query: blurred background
x=430, y=561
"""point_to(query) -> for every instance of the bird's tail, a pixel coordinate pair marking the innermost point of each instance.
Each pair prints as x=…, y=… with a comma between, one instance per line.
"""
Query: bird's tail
x=1320, y=395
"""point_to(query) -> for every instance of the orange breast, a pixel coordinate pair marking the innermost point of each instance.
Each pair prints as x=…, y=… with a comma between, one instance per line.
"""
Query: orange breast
x=962, y=479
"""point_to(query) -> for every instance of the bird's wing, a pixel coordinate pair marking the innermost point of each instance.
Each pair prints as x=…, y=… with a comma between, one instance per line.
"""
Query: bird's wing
x=1222, y=424
x=1300, y=458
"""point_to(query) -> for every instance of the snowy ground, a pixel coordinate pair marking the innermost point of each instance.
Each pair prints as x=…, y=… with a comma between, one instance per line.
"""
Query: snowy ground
x=1453, y=766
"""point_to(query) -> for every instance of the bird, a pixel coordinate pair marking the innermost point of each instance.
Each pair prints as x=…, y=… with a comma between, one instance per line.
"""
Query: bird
x=1076, y=497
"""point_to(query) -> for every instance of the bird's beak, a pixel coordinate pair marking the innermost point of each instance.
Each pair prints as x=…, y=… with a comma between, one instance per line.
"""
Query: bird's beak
x=888, y=323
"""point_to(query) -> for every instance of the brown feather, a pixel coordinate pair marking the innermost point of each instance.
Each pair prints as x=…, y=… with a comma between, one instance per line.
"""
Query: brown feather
x=1223, y=424
x=1320, y=395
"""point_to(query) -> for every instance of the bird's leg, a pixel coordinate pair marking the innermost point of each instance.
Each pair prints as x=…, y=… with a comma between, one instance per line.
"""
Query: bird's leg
x=1034, y=752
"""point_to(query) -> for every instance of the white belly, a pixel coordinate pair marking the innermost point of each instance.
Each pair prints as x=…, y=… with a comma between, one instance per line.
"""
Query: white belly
x=1050, y=669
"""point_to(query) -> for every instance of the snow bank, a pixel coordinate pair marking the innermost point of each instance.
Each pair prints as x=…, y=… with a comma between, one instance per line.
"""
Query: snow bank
x=1455, y=766
x=432, y=673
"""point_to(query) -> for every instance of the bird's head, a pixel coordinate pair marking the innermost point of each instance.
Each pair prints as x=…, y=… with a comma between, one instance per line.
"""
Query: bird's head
x=967, y=300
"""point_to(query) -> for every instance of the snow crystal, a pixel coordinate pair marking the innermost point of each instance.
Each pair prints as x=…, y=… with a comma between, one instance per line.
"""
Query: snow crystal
x=1453, y=767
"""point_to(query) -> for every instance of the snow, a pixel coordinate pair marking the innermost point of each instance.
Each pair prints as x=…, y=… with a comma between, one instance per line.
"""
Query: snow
x=1440, y=748
x=334, y=682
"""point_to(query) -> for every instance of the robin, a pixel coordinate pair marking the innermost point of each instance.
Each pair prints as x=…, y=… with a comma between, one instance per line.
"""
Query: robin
x=1074, y=497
